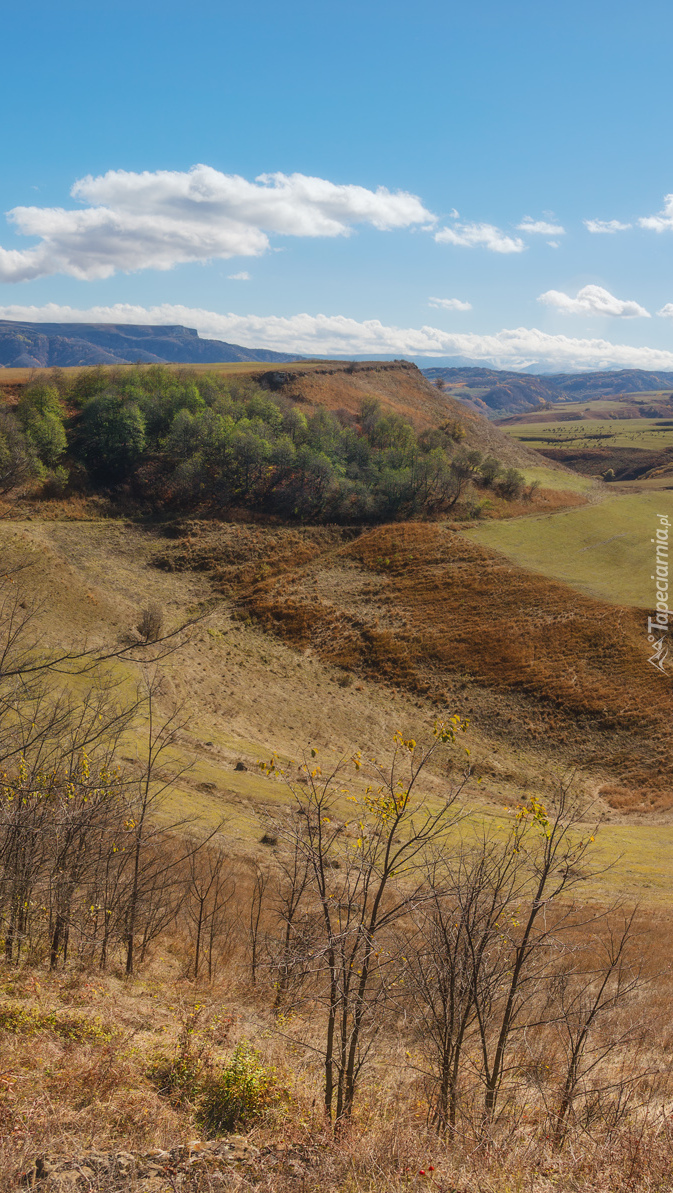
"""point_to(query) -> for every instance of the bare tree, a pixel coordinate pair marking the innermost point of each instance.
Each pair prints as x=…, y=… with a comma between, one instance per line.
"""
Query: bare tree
x=583, y=995
x=211, y=889
x=257, y=898
x=364, y=874
x=298, y=933
x=151, y=622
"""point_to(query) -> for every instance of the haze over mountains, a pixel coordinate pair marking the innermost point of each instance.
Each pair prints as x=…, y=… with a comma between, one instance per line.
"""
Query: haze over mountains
x=497, y=391
x=488, y=390
x=43, y=345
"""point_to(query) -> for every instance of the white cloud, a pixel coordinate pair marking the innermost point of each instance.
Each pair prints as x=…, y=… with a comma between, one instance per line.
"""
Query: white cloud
x=609, y=226
x=593, y=300
x=484, y=235
x=158, y=220
x=666, y=311
x=540, y=227
x=450, y=304
x=339, y=335
x=243, y=276
x=663, y=222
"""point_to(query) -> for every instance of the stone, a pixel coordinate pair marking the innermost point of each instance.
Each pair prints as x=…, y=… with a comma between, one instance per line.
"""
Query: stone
x=124, y=1161
x=62, y=1182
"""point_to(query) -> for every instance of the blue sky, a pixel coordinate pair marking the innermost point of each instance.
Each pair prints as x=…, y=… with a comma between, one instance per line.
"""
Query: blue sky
x=479, y=121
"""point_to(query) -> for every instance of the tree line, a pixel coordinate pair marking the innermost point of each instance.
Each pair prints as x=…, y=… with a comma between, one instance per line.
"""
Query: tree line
x=183, y=438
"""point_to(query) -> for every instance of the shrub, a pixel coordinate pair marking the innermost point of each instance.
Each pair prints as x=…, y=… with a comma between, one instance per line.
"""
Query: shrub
x=490, y=470
x=177, y=1078
x=19, y=1020
x=55, y=482
x=240, y=1092
x=511, y=484
x=151, y=622
x=18, y=462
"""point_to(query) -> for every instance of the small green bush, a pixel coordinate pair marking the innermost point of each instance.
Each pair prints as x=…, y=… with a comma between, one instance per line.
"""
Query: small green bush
x=19, y=1020
x=55, y=482
x=177, y=1078
x=238, y=1093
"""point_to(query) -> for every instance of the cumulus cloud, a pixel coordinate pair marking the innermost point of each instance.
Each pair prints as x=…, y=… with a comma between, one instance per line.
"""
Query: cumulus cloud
x=609, y=226
x=593, y=300
x=540, y=227
x=666, y=311
x=155, y=220
x=450, y=304
x=243, y=276
x=480, y=235
x=339, y=335
x=663, y=222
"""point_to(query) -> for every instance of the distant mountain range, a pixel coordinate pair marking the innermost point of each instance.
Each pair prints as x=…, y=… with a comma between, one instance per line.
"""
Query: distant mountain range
x=490, y=391
x=496, y=391
x=43, y=345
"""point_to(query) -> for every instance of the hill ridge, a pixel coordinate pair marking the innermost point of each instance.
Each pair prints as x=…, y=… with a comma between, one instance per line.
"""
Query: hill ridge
x=44, y=345
x=499, y=391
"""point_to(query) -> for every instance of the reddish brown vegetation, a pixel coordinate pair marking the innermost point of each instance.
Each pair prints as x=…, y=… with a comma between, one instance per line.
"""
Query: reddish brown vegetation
x=422, y=607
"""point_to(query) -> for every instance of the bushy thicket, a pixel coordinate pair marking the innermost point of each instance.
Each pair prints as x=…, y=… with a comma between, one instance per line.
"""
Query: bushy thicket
x=190, y=439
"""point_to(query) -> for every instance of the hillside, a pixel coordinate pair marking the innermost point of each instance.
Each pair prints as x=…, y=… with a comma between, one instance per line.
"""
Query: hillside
x=44, y=345
x=500, y=391
x=202, y=1066
x=337, y=637
x=173, y=415
x=402, y=388
x=585, y=385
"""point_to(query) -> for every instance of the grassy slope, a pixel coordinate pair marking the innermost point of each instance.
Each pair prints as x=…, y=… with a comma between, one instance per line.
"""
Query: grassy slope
x=561, y=480
x=403, y=388
x=603, y=549
x=247, y=691
x=424, y=609
x=633, y=433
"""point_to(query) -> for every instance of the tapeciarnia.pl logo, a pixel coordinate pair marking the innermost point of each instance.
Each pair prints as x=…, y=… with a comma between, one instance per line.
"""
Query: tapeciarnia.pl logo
x=657, y=626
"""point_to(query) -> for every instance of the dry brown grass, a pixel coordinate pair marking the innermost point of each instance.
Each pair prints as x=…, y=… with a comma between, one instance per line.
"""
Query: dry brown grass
x=63, y=1096
x=423, y=608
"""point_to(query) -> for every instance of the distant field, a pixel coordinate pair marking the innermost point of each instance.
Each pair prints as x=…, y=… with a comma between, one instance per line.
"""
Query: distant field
x=20, y=376
x=607, y=433
x=603, y=550
x=627, y=406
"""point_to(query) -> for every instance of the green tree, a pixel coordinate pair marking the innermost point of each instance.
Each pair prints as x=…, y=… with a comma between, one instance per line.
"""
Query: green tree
x=18, y=463
x=110, y=438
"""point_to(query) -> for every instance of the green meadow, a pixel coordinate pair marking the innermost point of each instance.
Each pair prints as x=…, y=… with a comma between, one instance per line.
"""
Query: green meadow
x=603, y=550
x=624, y=432
x=559, y=479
